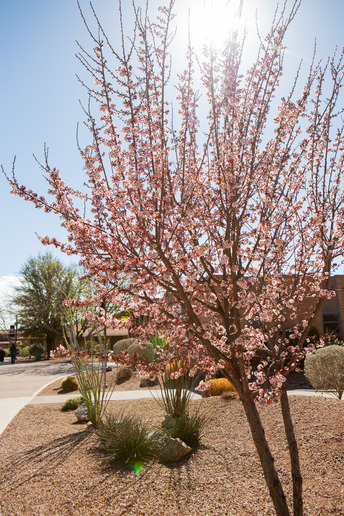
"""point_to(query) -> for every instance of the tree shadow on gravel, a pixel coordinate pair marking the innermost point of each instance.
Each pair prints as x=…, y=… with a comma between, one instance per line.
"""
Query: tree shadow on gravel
x=41, y=460
x=179, y=480
x=126, y=484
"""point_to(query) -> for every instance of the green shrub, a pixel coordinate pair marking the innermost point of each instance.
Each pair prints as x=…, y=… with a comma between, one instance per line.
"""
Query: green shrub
x=71, y=404
x=25, y=352
x=37, y=350
x=70, y=384
x=92, y=346
x=325, y=369
x=147, y=354
x=127, y=440
x=188, y=427
x=7, y=352
x=121, y=345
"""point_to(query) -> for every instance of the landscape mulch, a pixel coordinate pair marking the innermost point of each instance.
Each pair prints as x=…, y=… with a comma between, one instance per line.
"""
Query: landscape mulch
x=52, y=465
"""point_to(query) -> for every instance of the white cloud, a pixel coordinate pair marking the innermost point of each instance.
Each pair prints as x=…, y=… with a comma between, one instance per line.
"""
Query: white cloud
x=7, y=284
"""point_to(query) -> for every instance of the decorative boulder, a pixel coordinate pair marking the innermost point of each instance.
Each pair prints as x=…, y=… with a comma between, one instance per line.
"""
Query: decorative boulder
x=148, y=382
x=124, y=374
x=174, y=450
x=82, y=413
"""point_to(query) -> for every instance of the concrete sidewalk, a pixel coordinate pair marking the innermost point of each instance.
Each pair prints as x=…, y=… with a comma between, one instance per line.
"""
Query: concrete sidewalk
x=115, y=396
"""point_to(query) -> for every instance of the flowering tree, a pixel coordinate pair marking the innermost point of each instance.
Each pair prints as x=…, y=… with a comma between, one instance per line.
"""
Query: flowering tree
x=226, y=225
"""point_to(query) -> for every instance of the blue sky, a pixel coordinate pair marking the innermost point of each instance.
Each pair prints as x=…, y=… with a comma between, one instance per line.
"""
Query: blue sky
x=39, y=98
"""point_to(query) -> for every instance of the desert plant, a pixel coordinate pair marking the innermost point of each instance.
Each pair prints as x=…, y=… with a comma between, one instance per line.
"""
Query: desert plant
x=37, y=350
x=25, y=352
x=92, y=346
x=70, y=384
x=175, y=392
x=71, y=404
x=92, y=382
x=91, y=376
x=147, y=354
x=325, y=369
x=187, y=427
x=127, y=440
x=218, y=386
x=172, y=367
x=158, y=341
x=121, y=345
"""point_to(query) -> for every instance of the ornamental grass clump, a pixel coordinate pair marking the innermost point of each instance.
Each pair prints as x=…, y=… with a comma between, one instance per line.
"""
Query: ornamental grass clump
x=127, y=440
x=176, y=389
x=325, y=369
x=188, y=427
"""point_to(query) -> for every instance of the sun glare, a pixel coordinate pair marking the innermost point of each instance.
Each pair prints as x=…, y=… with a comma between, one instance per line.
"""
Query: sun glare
x=212, y=22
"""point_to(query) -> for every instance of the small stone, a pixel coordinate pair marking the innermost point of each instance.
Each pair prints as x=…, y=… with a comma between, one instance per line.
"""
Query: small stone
x=124, y=374
x=174, y=450
x=82, y=413
x=148, y=382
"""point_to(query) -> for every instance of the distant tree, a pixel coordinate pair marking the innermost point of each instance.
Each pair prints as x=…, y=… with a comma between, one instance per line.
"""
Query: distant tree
x=39, y=300
x=4, y=325
x=40, y=304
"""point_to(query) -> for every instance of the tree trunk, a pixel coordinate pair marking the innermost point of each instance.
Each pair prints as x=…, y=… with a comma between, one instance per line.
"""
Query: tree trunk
x=266, y=458
x=294, y=455
x=50, y=339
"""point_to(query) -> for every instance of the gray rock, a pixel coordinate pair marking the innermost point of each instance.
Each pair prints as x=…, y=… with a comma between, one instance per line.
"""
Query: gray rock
x=82, y=413
x=148, y=382
x=174, y=450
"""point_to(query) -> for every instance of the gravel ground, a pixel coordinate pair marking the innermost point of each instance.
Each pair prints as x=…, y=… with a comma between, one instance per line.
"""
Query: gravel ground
x=52, y=465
